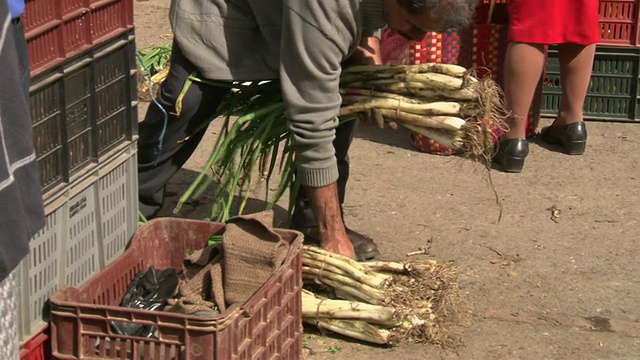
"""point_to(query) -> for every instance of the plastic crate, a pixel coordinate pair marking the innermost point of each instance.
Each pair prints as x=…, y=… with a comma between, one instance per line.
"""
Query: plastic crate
x=87, y=227
x=34, y=348
x=267, y=326
x=619, y=22
x=115, y=112
x=82, y=109
x=57, y=30
x=613, y=91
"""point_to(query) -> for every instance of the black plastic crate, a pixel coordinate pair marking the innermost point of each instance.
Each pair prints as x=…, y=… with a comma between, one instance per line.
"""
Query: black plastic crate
x=116, y=114
x=47, y=117
x=77, y=113
x=83, y=109
x=613, y=91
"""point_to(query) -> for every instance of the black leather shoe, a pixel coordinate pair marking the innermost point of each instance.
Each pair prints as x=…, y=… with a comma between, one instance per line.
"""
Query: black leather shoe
x=363, y=245
x=511, y=154
x=572, y=137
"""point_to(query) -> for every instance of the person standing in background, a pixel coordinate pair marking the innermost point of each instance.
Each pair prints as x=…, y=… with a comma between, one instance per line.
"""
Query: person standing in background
x=22, y=212
x=574, y=25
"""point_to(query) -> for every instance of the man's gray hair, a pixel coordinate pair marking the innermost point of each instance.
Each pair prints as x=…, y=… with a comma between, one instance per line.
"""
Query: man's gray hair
x=453, y=14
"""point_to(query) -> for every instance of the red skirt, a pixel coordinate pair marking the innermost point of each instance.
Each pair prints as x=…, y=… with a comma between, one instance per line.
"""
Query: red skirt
x=554, y=21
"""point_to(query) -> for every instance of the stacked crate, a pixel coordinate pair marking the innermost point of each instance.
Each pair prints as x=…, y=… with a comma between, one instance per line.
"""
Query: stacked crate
x=613, y=91
x=83, y=106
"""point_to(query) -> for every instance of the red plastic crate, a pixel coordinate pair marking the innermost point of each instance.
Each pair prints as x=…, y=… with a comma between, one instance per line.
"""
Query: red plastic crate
x=267, y=326
x=619, y=22
x=34, y=348
x=57, y=30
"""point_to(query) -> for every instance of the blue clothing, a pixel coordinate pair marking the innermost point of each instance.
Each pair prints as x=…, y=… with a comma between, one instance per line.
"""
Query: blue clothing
x=16, y=8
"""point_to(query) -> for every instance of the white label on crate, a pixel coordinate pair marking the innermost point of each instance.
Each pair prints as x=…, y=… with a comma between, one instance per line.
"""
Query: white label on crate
x=76, y=207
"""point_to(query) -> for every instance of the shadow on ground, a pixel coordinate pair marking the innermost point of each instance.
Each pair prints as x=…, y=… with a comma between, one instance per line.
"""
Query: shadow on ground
x=398, y=138
x=202, y=207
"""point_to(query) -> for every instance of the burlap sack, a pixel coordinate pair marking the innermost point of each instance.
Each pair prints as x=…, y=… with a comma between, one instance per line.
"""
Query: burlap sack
x=191, y=306
x=201, y=283
x=252, y=253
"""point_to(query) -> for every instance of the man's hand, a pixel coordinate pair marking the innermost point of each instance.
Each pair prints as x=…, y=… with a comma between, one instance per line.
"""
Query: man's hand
x=326, y=207
x=368, y=53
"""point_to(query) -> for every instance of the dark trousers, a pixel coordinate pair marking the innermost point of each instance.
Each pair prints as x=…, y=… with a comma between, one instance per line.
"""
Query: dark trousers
x=155, y=168
x=303, y=213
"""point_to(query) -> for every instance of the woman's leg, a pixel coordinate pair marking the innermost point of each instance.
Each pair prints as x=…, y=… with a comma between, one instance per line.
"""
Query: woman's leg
x=576, y=64
x=523, y=68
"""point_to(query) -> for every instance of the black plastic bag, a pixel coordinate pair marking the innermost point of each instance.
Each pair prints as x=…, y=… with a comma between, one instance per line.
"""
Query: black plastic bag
x=149, y=290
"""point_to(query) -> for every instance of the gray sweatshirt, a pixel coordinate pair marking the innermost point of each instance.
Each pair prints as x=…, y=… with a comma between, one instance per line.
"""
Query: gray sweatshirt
x=301, y=42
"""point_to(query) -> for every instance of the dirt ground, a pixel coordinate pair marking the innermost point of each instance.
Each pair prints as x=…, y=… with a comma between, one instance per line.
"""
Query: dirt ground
x=541, y=288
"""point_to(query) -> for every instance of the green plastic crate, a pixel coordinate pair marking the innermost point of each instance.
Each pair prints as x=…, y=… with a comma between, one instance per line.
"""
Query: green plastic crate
x=613, y=90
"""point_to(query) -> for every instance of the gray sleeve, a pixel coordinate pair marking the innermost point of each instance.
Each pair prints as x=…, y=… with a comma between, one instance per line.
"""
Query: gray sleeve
x=316, y=38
